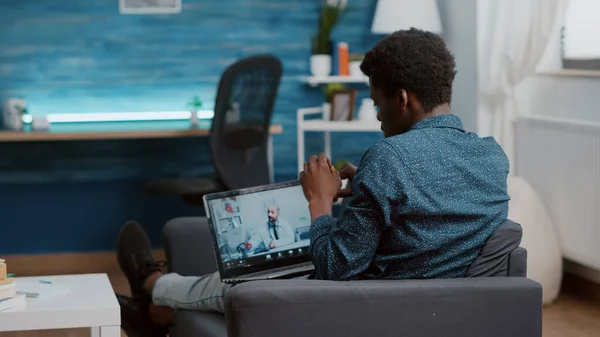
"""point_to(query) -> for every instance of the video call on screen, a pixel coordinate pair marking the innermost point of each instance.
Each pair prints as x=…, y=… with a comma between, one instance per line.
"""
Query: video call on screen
x=265, y=225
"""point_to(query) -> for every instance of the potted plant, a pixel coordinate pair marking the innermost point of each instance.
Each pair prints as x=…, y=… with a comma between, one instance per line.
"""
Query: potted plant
x=328, y=91
x=195, y=104
x=320, y=61
x=355, y=60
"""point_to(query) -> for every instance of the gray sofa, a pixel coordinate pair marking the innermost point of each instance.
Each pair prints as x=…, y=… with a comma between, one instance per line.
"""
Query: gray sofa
x=468, y=307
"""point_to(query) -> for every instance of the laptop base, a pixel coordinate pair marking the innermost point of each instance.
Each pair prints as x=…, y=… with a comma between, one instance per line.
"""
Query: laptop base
x=274, y=274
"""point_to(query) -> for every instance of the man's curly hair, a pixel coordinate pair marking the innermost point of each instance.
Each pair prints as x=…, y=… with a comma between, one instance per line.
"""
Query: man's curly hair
x=416, y=61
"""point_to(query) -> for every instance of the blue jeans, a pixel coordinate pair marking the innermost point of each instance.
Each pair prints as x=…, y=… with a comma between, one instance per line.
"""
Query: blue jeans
x=204, y=293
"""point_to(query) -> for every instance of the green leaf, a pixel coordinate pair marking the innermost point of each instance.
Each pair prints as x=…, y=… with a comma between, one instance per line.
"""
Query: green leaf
x=339, y=163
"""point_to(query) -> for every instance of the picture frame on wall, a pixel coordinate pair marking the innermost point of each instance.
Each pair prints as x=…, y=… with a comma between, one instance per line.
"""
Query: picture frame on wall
x=342, y=104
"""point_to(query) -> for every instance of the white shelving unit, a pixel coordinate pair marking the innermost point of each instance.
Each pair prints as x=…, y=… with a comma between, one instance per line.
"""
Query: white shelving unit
x=315, y=81
x=327, y=127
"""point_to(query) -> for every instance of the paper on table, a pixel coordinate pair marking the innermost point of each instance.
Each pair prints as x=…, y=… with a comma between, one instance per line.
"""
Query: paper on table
x=34, y=289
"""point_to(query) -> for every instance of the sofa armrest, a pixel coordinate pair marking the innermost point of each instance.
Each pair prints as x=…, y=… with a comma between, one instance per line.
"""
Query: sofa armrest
x=474, y=307
x=188, y=246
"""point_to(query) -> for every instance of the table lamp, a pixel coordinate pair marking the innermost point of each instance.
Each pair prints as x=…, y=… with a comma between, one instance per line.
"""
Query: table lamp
x=393, y=15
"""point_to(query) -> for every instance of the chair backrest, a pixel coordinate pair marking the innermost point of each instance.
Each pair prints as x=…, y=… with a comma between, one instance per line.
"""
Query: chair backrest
x=501, y=254
x=242, y=118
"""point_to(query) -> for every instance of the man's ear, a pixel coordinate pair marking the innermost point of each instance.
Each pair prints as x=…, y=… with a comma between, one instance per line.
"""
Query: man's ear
x=402, y=98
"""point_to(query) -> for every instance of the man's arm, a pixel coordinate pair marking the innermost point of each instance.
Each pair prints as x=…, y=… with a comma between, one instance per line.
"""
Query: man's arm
x=345, y=250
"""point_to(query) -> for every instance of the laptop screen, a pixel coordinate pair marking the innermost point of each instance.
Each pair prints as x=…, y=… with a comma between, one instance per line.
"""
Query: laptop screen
x=259, y=228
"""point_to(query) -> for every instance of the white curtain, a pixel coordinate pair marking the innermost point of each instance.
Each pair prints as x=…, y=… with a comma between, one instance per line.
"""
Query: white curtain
x=513, y=36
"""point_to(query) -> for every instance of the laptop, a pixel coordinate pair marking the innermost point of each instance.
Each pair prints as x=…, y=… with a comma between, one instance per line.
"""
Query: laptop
x=260, y=233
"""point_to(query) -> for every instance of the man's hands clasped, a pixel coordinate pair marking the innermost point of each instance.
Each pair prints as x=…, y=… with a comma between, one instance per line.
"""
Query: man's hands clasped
x=347, y=171
x=322, y=184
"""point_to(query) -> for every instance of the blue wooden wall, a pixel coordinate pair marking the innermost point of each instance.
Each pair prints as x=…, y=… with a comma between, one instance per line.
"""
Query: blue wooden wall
x=75, y=56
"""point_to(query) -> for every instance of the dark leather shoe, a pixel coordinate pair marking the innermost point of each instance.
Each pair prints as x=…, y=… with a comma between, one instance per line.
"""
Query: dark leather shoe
x=134, y=253
x=136, y=321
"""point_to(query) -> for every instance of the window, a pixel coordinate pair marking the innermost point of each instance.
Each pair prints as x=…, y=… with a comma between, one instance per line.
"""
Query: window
x=581, y=35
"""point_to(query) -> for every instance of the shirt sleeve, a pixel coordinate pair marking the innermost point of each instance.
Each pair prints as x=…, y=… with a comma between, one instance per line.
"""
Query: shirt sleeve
x=344, y=250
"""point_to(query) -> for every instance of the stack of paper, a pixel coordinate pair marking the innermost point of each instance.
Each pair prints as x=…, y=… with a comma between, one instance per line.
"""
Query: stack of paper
x=8, y=291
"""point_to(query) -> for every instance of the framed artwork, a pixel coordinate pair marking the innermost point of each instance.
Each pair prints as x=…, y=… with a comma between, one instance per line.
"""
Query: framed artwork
x=342, y=105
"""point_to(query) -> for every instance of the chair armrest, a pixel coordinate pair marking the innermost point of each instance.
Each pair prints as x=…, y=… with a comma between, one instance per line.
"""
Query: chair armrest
x=474, y=307
x=188, y=247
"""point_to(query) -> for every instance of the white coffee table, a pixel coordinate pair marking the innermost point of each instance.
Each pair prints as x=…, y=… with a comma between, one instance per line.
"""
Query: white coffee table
x=91, y=302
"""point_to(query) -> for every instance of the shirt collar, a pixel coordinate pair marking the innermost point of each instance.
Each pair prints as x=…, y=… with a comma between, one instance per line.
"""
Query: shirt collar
x=440, y=121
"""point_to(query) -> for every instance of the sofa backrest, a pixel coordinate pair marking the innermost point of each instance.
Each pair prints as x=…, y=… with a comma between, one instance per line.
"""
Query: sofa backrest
x=501, y=254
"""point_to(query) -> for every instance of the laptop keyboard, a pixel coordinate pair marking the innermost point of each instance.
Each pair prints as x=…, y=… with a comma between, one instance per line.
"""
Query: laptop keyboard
x=294, y=270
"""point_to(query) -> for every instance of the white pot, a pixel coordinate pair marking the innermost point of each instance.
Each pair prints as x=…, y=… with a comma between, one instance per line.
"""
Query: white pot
x=320, y=65
x=326, y=111
x=194, y=117
x=367, y=112
x=354, y=68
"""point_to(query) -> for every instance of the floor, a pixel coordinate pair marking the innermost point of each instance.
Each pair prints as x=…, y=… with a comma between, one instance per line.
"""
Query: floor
x=571, y=315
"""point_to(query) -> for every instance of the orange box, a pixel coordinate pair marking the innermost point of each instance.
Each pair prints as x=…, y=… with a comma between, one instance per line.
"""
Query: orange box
x=344, y=59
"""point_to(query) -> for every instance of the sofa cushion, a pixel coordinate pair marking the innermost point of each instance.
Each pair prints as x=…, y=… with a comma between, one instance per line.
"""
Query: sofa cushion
x=494, y=257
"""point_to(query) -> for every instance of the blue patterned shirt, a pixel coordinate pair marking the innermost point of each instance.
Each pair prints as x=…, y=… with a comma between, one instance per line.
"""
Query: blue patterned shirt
x=424, y=203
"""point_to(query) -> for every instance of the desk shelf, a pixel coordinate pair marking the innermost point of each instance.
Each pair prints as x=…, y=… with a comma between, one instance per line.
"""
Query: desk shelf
x=314, y=81
x=337, y=126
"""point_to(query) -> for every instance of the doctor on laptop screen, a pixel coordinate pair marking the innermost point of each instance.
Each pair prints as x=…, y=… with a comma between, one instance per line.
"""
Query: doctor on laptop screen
x=264, y=224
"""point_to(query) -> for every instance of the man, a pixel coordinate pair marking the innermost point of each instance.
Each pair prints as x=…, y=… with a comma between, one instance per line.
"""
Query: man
x=275, y=233
x=424, y=199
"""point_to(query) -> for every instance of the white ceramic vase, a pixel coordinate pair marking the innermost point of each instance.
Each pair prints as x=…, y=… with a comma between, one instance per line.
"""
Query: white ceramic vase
x=367, y=112
x=354, y=68
x=194, y=117
x=320, y=65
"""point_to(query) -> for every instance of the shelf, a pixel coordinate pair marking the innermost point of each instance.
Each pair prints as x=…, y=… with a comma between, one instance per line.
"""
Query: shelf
x=321, y=125
x=315, y=81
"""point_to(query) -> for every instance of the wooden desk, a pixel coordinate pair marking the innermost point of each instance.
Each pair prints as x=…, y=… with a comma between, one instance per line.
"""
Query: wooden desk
x=98, y=132
x=122, y=131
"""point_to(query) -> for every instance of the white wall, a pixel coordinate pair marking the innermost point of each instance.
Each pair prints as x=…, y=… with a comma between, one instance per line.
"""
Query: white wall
x=459, y=19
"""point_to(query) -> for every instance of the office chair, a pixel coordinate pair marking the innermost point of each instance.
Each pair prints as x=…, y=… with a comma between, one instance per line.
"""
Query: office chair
x=239, y=132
